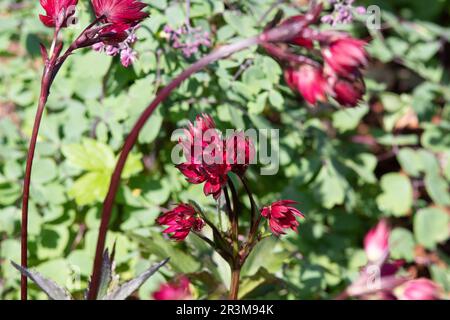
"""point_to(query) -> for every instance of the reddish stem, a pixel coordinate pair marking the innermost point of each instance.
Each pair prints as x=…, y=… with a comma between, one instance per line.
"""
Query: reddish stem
x=47, y=79
x=281, y=33
x=234, y=286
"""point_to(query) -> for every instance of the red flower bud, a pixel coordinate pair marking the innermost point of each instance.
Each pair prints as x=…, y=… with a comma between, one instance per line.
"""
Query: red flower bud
x=281, y=216
x=309, y=81
x=348, y=93
x=345, y=55
x=57, y=12
x=181, y=221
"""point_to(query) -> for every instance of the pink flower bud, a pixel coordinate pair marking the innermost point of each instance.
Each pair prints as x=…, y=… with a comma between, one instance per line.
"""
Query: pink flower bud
x=419, y=289
x=376, y=242
x=176, y=290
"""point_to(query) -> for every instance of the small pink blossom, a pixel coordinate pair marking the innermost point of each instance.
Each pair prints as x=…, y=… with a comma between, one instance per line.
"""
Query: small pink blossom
x=127, y=57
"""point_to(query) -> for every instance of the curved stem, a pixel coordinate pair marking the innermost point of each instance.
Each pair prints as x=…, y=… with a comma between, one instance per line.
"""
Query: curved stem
x=26, y=193
x=281, y=33
x=47, y=78
x=131, y=139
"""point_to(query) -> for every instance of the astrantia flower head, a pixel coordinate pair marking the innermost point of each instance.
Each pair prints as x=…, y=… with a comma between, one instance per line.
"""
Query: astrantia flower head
x=281, y=215
x=176, y=290
x=203, y=149
x=121, y=12
x=57, y=12
x=181, y=221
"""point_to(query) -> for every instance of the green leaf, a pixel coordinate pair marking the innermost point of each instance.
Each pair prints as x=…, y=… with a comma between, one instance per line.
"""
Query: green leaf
x=90, y=187
x=347, y=119
x=431, y=227
x=410, y=161
x=438, y=189
x=331, y=187
x=402, y=244
x=90, y=155
x=397, y=196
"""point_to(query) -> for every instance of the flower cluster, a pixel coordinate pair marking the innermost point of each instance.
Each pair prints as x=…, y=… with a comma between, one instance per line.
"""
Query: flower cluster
x=113, y=30
x=343, y=12
x=333, y=71
x=281, y=215
x=210, y=157
x=340, y=77
x=123, y=49
x=179, y=289
x=187, y=39
x=180, y=221
x=390, y=284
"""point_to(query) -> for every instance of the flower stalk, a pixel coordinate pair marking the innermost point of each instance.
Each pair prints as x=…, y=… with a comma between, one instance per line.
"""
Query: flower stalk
x=281, y=33
x=58, y=17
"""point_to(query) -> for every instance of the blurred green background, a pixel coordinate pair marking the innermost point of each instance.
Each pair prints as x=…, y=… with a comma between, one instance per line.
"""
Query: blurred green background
x=389, y=157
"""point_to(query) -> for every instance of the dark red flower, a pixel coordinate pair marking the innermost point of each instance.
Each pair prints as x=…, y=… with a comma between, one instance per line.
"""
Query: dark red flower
x=120, y=12
x=57, y=12
x=239, y=152
x=181, y=221
x=176, y=290
x=214, y=176
x=347, y=92
x=345, y=55
x=203, y=149
x=201, y=140
x=281, y=216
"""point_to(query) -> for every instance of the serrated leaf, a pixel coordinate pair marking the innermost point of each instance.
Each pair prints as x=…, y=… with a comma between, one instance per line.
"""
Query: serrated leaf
x=52, y=289
x=126, y=289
